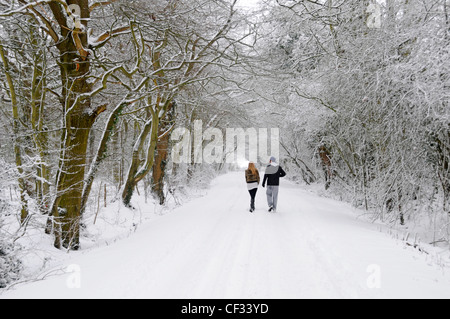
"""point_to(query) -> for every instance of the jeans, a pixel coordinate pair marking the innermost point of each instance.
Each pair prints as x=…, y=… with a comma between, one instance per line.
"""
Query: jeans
x=253, y=197
x=272, y=196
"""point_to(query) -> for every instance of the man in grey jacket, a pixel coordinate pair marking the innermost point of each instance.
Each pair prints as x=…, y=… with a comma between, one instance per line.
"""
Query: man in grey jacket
x=272, y=177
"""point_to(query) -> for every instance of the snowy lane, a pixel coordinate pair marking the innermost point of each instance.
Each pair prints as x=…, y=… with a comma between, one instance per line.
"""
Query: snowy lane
x=213, y=248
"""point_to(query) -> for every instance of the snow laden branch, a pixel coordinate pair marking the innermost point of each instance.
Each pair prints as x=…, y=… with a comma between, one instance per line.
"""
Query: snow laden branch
x=172, y=76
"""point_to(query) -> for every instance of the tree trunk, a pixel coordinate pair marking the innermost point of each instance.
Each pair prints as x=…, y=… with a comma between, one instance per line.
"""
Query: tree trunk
x=78, y=121
x=70, y=183
x=162, y=157
x=101, y=153
x=40, y=138
x=72, y=174
x=17, y=149
x=136, y=174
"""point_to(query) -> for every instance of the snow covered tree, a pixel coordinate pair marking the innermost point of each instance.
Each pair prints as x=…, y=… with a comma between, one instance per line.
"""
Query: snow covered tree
x=183, y=49
x=378, y=72
x=88, y=64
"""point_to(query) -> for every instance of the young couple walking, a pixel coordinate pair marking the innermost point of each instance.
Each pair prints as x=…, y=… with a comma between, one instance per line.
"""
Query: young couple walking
x=272, y=177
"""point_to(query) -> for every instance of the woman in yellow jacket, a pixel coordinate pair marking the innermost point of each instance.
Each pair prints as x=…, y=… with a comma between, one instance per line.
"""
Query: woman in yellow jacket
x=252, y=178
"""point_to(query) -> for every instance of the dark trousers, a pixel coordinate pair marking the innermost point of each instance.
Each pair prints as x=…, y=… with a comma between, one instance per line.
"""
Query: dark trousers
x=253, y=197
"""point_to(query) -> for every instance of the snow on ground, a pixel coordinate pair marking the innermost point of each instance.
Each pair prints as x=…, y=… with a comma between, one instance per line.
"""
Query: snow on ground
x=212, y=247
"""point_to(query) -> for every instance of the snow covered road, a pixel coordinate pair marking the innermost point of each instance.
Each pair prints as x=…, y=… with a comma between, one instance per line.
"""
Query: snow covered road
x=213, y=247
